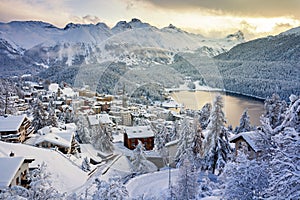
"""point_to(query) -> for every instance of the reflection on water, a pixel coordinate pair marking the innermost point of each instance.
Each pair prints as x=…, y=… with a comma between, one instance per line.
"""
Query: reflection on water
x=233, y=105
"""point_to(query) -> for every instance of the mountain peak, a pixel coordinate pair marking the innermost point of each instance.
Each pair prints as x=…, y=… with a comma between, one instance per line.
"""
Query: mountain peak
x=71, y=26
x=172, y=28
x=32, y=23
x=239, y=35
x=134, y=23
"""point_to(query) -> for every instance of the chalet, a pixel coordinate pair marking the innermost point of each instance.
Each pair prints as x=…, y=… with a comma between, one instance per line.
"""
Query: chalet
x=248, y=142
x=16, y=171
x=61, y=139
x=135, y=133
x=15, y=128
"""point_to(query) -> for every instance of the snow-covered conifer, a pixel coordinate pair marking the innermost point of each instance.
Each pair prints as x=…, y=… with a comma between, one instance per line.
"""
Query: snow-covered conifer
x=113, y=189
x=101, y=139
x=216, y=145
x=245, y=124
x=139, y=161
x=160, y=137
x=41, y=186
x=275, y=109
x=244, y=178
x=85, y=165
x=187, y=185
x=40, y=116
x=185, y=142
x=204, y=115
x=82, y=129
x=284, y=166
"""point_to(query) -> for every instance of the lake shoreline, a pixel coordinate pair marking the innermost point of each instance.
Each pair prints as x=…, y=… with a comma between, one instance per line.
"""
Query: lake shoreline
x=210, y=89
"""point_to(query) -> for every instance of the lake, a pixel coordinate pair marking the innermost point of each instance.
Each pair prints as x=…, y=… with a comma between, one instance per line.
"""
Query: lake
x=234, y=105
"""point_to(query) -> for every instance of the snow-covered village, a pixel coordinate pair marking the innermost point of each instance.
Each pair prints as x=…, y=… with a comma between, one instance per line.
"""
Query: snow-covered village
x=149, y=100
x=59, y=142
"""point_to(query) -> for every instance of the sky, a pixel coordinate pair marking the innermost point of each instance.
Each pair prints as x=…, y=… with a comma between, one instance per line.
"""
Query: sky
x=211, y=18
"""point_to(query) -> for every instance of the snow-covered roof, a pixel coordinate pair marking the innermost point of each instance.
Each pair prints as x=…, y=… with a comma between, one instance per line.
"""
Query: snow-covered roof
x=57, y=139
x=252, y=138
x=99, y=118
x=11, y=123
x=89, y=151
x=65, y=176
x=139, y=132
x=8, y=169
x=56, y=136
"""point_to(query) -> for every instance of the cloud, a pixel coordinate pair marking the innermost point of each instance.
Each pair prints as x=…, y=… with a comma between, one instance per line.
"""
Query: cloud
x=265, y=8
x=88, y=19
x=52, y=11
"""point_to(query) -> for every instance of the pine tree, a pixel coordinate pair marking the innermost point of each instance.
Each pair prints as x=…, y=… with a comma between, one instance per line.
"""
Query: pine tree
x=51, y=119
x=292, y=116
x=204, y=115
x=160, y=137
x=140, y=164
x=113, y=189
x=187, y=185
x=197, y=145
x=198, y=139
x=185, y=142
x=101, y=139
x=245, y=124
x=274, y=110
x=40, y=116
x=82, y=129
x=216, y=145
x=245, y=179
x=85, y=165
x=284, y=167
x=41, y=186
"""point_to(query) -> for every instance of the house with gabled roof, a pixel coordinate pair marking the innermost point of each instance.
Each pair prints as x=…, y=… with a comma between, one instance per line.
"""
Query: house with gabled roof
x=14, y=171
x=133, y=134
x=61, y=139
x=249, y=143
x=15, y=128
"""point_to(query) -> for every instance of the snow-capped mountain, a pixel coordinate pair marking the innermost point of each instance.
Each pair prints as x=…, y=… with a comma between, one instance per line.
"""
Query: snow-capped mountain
x=131, y=42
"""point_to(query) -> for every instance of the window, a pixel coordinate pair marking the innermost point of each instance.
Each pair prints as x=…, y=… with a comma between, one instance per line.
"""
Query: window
x=17, y=181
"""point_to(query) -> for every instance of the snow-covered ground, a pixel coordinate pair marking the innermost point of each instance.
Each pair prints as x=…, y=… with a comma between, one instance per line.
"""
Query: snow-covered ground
x=152, y=184
x=65, y=175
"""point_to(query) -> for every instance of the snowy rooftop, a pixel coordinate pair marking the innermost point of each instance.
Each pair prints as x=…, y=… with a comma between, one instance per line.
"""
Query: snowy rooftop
x=99, y=118
x=11, y=123
x=8, y=168
x=139, y=132
x=56, y=136
x=65, y=176
x=57, y=139
x=252, y=138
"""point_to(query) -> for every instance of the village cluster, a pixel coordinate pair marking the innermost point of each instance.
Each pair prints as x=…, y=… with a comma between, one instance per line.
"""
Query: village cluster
x=71, y=121
x=121, y=138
